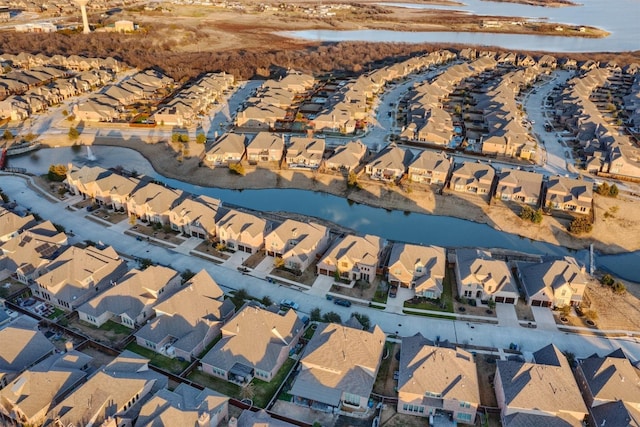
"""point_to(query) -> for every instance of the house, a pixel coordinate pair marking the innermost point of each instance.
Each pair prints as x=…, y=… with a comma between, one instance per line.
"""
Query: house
x=105, y=187
x=12, y=224
x=28, y=398
x=259, y=418
x=304, y=153
x=480, y=276
x=228, y=149
x=297, y=243
x=519, y=186
x=186, y=406
x=265, y=147
x=430, y=167
x=151, y=202
x=260, y=117
x=77, y=274
x=195, y=216
x=555, y=283
x=23, y=345
x=241, y=231
x=421, y=268
x=352, y=258
x=130, y=302
x=255, y=343
x=112, y=395
x=542, y=392
x=338, y=368
x=390, y=164
x=347, y=157
x=439, y=379
x=568, y=194
x=476, y=178
x=610, y=386
x=187, y=321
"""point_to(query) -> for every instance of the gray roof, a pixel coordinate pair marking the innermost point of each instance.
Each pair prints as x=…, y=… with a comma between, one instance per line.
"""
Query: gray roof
x=22, y=347
x=617, y=413
x=550, y=274
x=260, y=419
x=611, y=378
x=521, y=419
x=549, y=355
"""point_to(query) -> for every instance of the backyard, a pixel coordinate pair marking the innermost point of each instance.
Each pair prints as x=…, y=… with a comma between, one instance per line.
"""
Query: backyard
x=110, y=332
x=174, y=366
x=385, y=384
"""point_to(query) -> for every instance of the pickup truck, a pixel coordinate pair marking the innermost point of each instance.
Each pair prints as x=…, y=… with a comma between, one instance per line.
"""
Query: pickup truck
x=287, y=303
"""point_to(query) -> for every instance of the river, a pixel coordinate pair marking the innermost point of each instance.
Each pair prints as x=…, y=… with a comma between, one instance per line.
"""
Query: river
x=392, y=225
x=619, y=17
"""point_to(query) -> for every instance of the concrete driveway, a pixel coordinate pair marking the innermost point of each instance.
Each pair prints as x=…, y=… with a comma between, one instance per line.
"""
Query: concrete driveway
x=507, y=316
x=544, y=318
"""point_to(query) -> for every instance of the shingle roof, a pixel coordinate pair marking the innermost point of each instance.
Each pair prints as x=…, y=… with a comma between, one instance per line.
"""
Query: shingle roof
x=22, y=347
x=611, y=378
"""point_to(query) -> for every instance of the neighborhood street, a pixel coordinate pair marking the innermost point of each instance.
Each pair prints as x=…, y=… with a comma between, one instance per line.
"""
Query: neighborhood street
x=500, y=336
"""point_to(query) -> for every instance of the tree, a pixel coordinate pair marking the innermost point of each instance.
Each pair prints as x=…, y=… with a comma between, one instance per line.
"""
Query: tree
x=186, y=275
x=580, y=225
x=248, y=392
x=316, y=315
x=57, y=173
x=201, y=138
x=591, y=315
x=537, y=216
x=266, y=301
x=73, y=134
x=237, y=168
x=607, y=280
x=332, y=317
x=278, y=262
x=7, y=134
x=132, y=219
x=352, y=180
x=619, y=288
x=603, y=189
x=364, y=320
x=613, y=191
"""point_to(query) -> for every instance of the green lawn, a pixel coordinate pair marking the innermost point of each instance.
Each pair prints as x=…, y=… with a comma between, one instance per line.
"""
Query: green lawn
x=116, y=328
x=266, y=390
x=446, y=298
x=380, y=296
x=57, y=312
x=216, y=384
x=309, y=333
x=172, y=365
x=210, y=346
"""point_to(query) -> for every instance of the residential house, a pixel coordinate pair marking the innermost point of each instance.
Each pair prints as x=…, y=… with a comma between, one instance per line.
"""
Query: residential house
x=255, y=343
x=304, y=153
x=519, y=186
x=260, y=117
x=433, y=378
x=265, y=147
x=555, y=283
x=242, y=231
x=610, y=386
x=338, y=368
x=112, y=396
x=195, y=216
x=130, y=302
x=421, y=268
x=259, y=418
x=347, y=157
x=568, y=194
x=153, y=202
x=480, y=276
x=542, y=392
x=352, y=258
x=228, y=149
x=77, y=274
x=187, y=321
x=23, y=345
x=28, y=398
x=99, y=108
x=390, y=164
x=297, y=243
x=476, y=178
x=186, y=406
x=12, y=224
x=430, y=167
x=105, y=187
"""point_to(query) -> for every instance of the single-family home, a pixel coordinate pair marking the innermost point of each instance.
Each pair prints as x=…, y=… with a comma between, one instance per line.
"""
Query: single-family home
x=390, y=164
x=430, y=167
x=187, y=321
x=539, y=393
x=297, y=243
x=242, y=231
x=28, y=398
x=305, y=153
x=265, y=147
x=610, y=386
x=568, y=194
x=554, y=283
x=184, y=406
x=255, y=343
x=421, y=268
x=476, y=178
x=519, y=186
x=228, y=149
x=480, y=276
x=153, y=202
x=260, y=418
x=352, y=258
x=195, y=216
x=338, y=368
x=112, y=395
x=12, y=224
x=433, y=378
x=77, y=274
x=130, y=301
x=347, y=157
x=260, y=116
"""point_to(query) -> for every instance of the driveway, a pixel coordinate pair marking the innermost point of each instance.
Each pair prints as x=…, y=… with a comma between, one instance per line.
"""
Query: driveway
x=321, y=286
x=507, y=316
x=544, y=318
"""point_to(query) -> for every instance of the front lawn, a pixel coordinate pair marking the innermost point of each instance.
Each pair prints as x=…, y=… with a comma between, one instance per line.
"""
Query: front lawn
x=446, y=300
x=171, y=365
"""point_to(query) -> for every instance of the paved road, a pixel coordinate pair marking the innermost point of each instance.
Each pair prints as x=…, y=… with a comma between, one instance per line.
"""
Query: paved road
x=392, y=323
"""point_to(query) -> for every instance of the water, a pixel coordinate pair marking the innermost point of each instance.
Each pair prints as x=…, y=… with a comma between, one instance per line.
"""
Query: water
x=618, y=17
x=392, y=225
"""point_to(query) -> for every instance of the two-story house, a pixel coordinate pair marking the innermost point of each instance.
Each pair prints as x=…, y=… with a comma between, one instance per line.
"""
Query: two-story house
x=297, y=243
x=417, y=267
x=352, y=258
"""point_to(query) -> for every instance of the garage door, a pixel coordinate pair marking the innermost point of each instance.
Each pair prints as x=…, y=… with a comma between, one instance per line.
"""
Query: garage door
x=536, y=303
x=510, y=300
x=324, y=272
x=499, y=299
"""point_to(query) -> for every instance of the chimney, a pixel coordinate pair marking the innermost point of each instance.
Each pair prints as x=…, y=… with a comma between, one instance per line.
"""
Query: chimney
x=68, y=346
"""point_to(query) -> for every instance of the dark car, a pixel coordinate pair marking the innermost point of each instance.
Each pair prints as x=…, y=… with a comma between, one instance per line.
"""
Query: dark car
x=91, y=208
x=342, y=302
x=393, y=291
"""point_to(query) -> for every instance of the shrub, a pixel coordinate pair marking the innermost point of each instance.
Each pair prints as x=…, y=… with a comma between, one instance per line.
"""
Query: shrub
x=73, y=134
x=57, y=173
x=331, y=317
x=608, y=191
x=201, y=138
x=7, y=134
x=607, y=280
x=528, y=214
x=619, y=288
x=364, y=320
x=237, y=168
x=613, y=191
x=580, y=225
x=316, y=315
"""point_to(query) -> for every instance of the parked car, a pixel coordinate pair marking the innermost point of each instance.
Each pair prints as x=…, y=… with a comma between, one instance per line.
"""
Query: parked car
x=342, y=302
x=287, y=303
x=393, y=291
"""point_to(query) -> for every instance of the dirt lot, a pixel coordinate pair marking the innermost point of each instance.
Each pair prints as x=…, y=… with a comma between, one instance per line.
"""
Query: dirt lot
x=385, y=384
x=486, y=372
x=206, y=247
x=362, y=289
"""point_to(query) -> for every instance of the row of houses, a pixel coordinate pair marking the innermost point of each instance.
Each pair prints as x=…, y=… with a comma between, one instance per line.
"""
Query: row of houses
x=110, y=103
x=74, y=63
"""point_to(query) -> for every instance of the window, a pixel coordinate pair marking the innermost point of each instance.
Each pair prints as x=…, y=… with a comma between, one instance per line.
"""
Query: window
x=465, y=405
x=433, y=394
x=351, y=399
x=413, y=408
x=463, y=417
